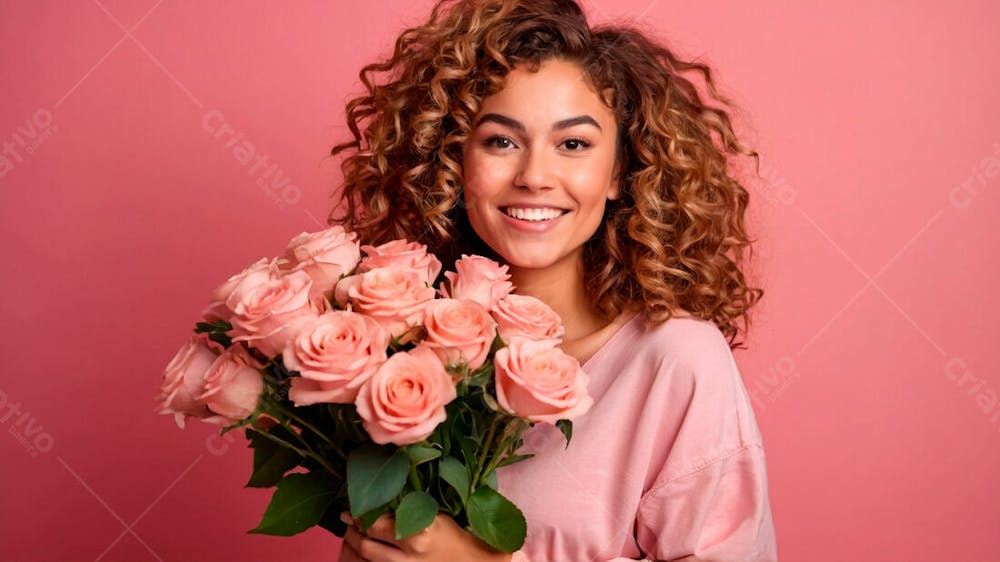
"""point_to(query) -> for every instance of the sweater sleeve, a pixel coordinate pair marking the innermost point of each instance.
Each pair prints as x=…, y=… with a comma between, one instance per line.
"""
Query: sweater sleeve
x=709, y=499
x=717, y=512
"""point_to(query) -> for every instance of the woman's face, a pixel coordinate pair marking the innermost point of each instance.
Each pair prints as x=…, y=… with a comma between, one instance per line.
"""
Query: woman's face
x=539, y=166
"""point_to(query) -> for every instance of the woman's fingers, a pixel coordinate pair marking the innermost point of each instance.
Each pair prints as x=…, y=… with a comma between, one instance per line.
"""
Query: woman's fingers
x=384, y=529
x=348, y=554
x=348, y=551
x=371, y=549
x=352, y=541
x=443, y=540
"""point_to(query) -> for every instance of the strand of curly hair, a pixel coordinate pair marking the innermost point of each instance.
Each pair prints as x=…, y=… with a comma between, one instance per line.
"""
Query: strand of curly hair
x=674, y=240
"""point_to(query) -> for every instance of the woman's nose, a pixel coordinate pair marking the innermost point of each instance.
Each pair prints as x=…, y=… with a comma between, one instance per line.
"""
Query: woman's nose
x=537, y=170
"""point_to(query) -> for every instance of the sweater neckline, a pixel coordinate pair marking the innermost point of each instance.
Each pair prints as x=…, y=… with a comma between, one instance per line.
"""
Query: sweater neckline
x=625, y=327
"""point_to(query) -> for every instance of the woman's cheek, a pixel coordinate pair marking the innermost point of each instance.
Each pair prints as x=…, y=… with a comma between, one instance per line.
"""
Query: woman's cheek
x=476, y=208
x=474, y=183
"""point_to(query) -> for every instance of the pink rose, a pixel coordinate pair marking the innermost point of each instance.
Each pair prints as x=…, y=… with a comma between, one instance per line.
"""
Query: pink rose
x=229, y=293
x=536, y=380
x=521, y=315
x=400, y=254
x=480, y=279
x=334, y=354
x=404, y=400
x=232, y=386
x=271, y=313
x=395, y=298
x=459, y=329
x=325, y=256
x=184, y=379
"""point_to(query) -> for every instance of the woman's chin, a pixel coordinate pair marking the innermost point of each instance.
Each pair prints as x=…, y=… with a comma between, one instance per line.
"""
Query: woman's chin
x=527, y=262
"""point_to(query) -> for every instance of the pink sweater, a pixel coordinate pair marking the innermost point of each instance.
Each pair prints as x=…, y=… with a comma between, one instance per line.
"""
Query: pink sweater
x=668, y=463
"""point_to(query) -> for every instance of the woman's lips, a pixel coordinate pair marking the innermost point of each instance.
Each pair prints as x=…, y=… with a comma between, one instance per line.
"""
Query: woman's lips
x=533, y=214
x=532, y=220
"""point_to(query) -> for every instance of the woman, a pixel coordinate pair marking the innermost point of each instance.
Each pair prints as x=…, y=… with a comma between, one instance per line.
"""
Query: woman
x=581, y=159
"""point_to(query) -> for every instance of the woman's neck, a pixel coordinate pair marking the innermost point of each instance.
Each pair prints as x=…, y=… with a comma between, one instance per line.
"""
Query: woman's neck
x=561, y=287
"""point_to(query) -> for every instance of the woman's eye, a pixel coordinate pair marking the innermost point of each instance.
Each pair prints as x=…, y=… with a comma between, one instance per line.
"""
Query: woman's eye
x=497, y=141
x=575, y=144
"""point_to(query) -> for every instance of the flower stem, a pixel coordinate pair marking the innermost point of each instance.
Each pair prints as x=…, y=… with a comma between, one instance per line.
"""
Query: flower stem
x=280, y=410
x=304, y=423
x=415, y=479
x=487, y=443
x=304, y=452
x=511, y=433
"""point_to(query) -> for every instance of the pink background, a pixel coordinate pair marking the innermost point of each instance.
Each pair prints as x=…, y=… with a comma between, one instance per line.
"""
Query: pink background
x=870, y=365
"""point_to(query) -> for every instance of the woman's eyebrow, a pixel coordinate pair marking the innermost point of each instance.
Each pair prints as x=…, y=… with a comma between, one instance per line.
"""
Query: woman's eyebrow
x=515, y=124
x=578, y=120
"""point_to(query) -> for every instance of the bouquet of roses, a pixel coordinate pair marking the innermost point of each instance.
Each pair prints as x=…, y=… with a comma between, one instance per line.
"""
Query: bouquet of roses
x=361, y=388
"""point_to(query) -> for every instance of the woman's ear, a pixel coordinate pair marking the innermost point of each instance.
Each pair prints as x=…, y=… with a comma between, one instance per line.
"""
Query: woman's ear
x=615, y=189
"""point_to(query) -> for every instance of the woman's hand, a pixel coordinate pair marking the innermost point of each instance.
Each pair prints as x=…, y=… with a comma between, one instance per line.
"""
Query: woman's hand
x=442, y=540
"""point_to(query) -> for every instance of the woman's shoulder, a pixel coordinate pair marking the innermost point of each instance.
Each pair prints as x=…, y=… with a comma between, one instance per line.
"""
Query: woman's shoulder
x=674, y=357
x=682, y=375
x=684, y=338
x=696, y=373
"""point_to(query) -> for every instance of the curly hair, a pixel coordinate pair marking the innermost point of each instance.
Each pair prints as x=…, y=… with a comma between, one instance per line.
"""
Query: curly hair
x=675, y=238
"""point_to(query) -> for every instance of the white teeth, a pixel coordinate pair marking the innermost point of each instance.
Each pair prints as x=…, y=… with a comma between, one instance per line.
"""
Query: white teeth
x=533, y=214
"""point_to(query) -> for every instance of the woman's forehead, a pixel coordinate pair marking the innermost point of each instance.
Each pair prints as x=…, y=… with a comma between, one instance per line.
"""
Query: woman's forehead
x=556, y=91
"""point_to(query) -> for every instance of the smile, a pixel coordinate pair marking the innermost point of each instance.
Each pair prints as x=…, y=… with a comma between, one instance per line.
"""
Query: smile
x=533, y=214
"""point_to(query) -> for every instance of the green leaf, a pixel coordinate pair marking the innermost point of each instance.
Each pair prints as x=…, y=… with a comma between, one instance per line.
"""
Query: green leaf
x=514, y=458
x=454, y=473
x=496, y=520
x=491, y=480
x=469, y=447
x=566, y=427
x=374, y=477
x=481, y=376
x=497, y=344
x=216, y=331
x=368, y=519
x=415, y=513
x=271, y=460
x=298, y=503
x=442, y=433
x=216, y=326
x=420, y=454
x=491, y=402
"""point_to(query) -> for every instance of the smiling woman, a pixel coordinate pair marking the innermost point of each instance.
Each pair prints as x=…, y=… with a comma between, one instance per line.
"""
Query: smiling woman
x=584, y=161
x=535, y=193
